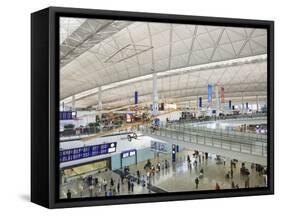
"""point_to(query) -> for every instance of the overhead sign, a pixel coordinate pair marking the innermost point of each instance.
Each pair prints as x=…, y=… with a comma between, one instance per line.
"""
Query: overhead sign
x=200, y=102
x=222, y=94
x=128, y=153
x=136, y=97
x=158, y=146
x=174, y=152
x=88, y=151
x=67, y=115
x=210, y=92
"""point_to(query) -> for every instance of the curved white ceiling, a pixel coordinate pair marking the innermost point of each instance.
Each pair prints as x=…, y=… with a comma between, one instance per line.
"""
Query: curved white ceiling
x=120, y=56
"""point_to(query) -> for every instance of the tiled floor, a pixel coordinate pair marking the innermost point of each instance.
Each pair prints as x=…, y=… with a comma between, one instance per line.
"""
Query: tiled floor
x=178, y=177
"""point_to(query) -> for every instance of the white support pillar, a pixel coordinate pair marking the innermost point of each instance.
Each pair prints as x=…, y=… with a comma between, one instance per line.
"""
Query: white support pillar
x=99, y=99
x=155, y=96
x=73, y=103
x=217, y=101
x=99, y=107
x=242, y=95
x=257, y=103
x=62, y=106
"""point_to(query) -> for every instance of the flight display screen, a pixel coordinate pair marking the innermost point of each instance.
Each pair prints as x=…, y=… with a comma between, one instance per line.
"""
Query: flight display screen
x=88, y=151
x=128, y=153
x=67, y=115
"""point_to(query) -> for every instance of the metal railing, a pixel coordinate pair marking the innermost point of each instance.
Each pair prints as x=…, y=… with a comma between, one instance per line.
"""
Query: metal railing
x=227, y=117
x=204, y=137
x=87, y=131
x=227, y=132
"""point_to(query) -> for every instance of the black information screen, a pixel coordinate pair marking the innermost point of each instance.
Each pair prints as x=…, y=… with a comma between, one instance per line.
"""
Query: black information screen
x=89, y=151
x=67, y=115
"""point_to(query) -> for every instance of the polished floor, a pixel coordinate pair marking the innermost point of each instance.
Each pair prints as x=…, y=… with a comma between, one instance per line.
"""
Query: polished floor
x=178, y=177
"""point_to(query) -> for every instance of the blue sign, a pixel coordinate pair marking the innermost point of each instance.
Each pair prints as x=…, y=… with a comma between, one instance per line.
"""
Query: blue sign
x=174, y=153
x=210, y=92
x=128, y=153
x=158, y=147
x=88, y=151
x=67, y=115
x=200, y=102
x=136, y=97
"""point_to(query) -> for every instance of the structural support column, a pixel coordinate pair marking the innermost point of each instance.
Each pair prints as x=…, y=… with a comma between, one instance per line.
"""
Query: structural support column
x=73, y=103
x=242, y=102
x=257, y=103
x=99, y=107
x=155, y=96
x=62, y=106
x=99, y=99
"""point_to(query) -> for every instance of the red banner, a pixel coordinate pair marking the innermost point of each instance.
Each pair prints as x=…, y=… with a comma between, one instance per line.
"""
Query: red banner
x=222, y=94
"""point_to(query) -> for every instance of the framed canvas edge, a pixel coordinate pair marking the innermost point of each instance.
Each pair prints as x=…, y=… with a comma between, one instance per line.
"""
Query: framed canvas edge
x=55, y=12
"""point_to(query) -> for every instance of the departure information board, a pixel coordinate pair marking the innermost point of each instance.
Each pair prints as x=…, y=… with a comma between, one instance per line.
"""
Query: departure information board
x=88, y=151
x=67, y=115
x=128, y=153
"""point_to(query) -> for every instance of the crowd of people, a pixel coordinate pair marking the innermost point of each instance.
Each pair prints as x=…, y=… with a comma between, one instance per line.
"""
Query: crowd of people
x=111, y=187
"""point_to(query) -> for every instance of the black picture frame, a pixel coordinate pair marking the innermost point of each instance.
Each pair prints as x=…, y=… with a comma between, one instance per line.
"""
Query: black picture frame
x=45, y=105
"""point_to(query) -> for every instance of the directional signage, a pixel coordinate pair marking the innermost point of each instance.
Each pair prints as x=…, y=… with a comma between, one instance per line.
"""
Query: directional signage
x=158, y=146
x=128, y=153
x=210, y=92
x=67, y=115
x=200, y=102
x=88, y=151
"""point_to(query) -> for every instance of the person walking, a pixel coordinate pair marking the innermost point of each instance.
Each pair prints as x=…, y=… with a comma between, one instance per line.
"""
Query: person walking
x=114, y=191
x=118, y=187
x=132, y=186
x=232, y=185
x=197, y=182
x=188, y=158
x=217, y=186
x=247, y=181
x=195, y=163
x=148, y=175
x=129, y=185
x=68, y=194
x=91, y=189
x=104, y=184
x=231, y=173
x=138, y=177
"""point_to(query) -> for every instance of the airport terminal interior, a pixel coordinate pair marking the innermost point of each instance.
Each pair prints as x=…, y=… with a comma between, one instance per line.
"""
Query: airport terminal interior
x=149, y=107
